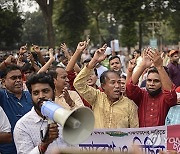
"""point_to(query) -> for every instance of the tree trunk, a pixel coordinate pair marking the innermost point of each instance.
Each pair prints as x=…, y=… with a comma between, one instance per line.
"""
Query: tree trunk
x=47, y=11
x=98, y=29
x=140, y=35
x=50, y=32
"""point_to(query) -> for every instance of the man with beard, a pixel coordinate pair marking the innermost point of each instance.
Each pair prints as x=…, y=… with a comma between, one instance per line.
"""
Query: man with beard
x=154, y=102
x=111, y=109
x=14, y=101
x=28, y=129
x=115, y=65
x=174, y=67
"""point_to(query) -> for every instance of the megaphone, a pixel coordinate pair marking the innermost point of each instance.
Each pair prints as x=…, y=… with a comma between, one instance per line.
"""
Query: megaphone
x=77, y=124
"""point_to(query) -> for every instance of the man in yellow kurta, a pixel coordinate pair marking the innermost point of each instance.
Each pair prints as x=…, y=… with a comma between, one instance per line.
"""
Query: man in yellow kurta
x=111, y=109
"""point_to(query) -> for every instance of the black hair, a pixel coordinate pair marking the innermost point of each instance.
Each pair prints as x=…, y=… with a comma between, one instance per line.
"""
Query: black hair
x=105, y=74
x=123, y=76
x=42, y=77
x=10, y=68
x=95, y=71
x=52, y=71
x=138, y=51
x=113, y=57
x=62, y=57
x=86, y=61
x=27, y=66
x=154, y=70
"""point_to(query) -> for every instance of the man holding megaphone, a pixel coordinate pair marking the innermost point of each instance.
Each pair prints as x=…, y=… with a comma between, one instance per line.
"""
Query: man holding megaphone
x=33, y=134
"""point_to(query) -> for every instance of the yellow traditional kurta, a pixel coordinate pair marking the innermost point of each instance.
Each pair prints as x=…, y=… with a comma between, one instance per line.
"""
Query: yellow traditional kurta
x=120, y=114
x=74, y=96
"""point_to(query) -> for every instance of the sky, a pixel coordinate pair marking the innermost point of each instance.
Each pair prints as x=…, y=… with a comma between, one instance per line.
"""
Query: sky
x=26, y=6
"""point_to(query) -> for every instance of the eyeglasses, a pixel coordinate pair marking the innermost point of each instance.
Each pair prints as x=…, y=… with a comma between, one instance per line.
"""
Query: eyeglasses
x=16, y=77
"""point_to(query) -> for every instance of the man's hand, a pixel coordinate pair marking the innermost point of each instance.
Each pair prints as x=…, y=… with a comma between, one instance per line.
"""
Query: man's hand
x=131, y=65
x=53, y=133
x=67, y=97
x=10, y=59
x=100, y=54
x=65, y=50
x=82, y=45
x=98, y=57
x=155, y=57
x=51, y=56
x=147, y=62
x=36, y=48
x=23, y=49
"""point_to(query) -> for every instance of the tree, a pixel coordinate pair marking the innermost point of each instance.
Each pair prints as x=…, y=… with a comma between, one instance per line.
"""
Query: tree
x=72, y=20
x=10, y=27
x=33, y=29
x=47, y=11
x=129, y=35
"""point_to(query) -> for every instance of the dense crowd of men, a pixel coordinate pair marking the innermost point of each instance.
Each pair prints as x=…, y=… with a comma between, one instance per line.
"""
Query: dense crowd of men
x=141, y=91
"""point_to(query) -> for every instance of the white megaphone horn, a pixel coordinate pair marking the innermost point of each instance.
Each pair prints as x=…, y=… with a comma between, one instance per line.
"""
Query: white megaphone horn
x=77, y=125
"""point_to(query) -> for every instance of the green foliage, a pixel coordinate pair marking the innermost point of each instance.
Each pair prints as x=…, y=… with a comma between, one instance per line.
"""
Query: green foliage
x=128, y=35
x=10, y=28
x=72, y=20
x=175, y=23
x=34, y=29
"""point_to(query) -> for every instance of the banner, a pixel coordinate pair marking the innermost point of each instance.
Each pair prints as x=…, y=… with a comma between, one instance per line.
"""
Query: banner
x=149, y=139
x=153, y=43
x=114, y=44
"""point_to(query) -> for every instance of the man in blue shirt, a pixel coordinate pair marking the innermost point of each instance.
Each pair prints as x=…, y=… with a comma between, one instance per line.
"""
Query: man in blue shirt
x=14, y=101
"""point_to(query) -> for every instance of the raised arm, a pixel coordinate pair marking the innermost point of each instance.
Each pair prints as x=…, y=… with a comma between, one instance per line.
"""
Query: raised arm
x=40, y=56
x=49, y=62
x=68, y=56
x=71, y=64
x=9, y=60
x=155, y=56
x=131, y=65
x=31, y=59
x=80, y=83
x=146, y=62
x=65, y=50
x=98, y=57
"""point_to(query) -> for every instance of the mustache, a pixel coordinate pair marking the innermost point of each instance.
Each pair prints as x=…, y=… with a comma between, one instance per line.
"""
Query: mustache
x=41, y=100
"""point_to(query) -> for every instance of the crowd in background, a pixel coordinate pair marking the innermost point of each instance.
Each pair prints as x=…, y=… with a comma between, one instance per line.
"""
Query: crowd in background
x=123, y=91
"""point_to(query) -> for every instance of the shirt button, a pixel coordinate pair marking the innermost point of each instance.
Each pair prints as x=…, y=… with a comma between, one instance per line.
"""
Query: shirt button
x=151, y=115
x=151, y=109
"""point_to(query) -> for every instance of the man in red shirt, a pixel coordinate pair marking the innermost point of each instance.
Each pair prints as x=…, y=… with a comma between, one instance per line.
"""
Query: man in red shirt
x=159, y=95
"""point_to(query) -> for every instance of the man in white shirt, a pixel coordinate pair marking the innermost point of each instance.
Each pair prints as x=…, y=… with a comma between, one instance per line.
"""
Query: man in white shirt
x=28, y=129
x=5, y=128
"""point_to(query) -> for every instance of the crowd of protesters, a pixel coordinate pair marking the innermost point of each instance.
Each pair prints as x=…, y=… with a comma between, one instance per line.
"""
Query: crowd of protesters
x=142, y=91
